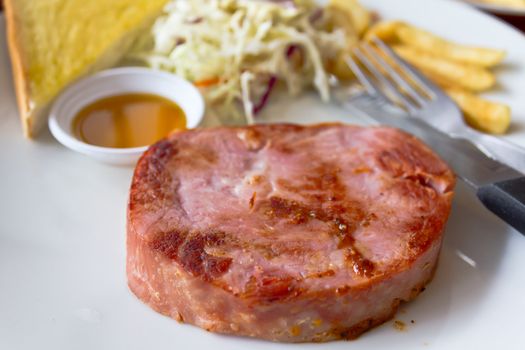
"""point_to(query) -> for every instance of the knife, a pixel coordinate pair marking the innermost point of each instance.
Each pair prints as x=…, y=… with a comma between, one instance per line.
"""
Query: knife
x=500, y=188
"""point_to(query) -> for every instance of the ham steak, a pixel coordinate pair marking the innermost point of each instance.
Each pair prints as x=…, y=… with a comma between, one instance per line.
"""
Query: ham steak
x=285, y=232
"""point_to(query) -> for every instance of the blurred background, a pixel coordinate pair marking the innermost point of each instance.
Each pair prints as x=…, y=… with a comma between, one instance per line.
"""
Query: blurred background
x=517, y=21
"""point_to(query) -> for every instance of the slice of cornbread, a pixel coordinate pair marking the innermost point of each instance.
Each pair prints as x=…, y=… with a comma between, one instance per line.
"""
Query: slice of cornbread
x=54, y=42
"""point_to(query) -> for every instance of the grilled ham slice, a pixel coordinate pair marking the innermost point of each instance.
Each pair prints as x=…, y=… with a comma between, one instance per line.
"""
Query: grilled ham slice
x=284, y=232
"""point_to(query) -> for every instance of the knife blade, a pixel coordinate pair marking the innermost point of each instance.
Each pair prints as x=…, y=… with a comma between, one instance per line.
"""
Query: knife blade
x=499, y=187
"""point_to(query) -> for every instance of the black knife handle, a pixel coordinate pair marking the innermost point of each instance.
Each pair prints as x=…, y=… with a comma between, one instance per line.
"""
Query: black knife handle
x=506, y=199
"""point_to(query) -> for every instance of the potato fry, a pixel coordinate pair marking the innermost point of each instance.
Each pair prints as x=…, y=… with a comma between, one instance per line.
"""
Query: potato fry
x=480, y=113
x=384, y=30
x=428, y=42
x=338, y=19
x=354, y=19
x=359, y=15
x=520, y=4
x=455, y=74
x=340, y=69
x=458, y=69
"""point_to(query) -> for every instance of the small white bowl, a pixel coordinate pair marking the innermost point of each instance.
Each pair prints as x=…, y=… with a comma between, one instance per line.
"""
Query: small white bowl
x=116, y=82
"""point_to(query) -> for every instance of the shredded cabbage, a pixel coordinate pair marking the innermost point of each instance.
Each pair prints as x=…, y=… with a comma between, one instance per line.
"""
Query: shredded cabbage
x=231, y=48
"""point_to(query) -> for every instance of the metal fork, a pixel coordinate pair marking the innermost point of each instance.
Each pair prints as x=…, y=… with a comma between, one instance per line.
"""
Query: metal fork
x=404, y=87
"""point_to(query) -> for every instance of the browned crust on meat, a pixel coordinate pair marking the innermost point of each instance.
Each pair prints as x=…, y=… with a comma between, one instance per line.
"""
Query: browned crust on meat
x=270, y=290
x=151, y=169
x=335, y=333
x=358, y=329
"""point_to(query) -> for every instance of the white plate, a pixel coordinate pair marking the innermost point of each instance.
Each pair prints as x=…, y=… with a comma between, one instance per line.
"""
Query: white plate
x=62, y=234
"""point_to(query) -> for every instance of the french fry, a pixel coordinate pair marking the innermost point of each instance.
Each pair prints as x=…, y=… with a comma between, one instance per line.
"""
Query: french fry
x=341, y=20
x=359, y=16
x=481, y=114
x=384, y=30
x=340, y=69
x=432, y=44
x=353, y=18
x=455, y=74
x=459, y=69
x=484, y=115
x=520, y=4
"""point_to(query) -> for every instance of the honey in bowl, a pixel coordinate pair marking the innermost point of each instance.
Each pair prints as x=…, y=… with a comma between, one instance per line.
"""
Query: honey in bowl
x=131, y=120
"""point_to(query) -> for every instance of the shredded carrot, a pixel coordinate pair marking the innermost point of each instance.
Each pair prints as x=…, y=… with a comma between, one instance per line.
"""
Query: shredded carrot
x=207, y=82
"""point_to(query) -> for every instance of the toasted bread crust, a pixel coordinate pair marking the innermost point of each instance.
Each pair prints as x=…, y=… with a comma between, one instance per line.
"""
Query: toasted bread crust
x=16, y=52
x=32, y=75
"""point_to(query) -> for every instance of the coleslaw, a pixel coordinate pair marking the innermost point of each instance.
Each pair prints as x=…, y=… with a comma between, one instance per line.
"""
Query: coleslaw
x=237, y=50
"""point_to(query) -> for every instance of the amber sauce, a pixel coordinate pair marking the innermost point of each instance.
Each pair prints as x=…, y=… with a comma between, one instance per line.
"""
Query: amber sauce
x=130, y=120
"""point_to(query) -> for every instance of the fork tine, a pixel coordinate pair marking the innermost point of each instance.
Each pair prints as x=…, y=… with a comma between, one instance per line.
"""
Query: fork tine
x=386, y=84
x=430, y=89
x=371, y=87
x=396, y=77
x=361, y=76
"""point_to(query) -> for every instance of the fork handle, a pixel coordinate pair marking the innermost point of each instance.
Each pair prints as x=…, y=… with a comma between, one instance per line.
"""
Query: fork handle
x=506, y=199
x=502, y=150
